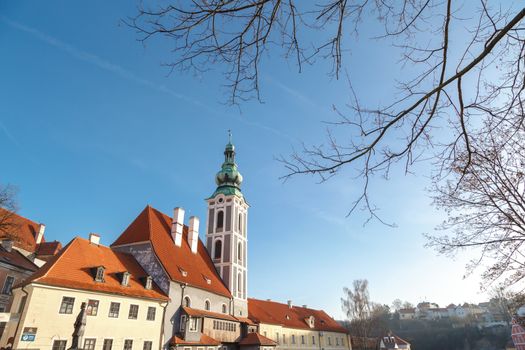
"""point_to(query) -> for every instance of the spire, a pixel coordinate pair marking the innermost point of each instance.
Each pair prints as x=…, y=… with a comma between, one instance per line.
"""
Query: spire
x=228, y=179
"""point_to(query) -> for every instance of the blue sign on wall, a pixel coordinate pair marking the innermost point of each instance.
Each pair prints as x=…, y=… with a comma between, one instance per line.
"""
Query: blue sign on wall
x=28, y=337
x=29, y=334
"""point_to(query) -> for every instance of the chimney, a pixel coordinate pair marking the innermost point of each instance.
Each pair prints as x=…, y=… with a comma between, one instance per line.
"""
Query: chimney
x=305, y=306
x=40, y=233
x=7, y=244
x=193, y=235
x=289, y=304
x=177, y=225
x=94, y=239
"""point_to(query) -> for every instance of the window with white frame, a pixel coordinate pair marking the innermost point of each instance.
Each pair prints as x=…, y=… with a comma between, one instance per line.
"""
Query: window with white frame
x=66, y=307
x=151, y=313
x=108, y=344
x=92, y=307
x=89, y=343
x=193, y=324
x=114, y=309
x=133, y=312
x=128, y=344
x=148, y=344
x=59, y=345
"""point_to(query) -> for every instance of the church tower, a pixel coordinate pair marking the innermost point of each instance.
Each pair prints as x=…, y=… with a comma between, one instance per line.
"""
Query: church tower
x=226, y=234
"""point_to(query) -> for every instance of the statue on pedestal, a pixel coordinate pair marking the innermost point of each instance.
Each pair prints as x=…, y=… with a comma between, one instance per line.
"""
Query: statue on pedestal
x=80, y=327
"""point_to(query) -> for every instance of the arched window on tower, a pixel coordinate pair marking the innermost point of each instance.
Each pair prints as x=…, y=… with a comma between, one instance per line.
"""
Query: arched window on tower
x=240, y=223
x=239, y=284
x=218, y=249
x=187, y=301
x=239, y=251
x=220, y=219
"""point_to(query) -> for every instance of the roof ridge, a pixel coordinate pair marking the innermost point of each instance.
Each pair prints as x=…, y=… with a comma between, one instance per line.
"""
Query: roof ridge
x=52, y=263
x=23, y=217
x=285, y=304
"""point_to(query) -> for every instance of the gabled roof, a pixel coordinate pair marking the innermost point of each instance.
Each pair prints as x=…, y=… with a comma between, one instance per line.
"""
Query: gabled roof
x=48, y=248
x=72, y=268
x=22, y=230
x=153, y=226
x=256, y=339
x=204, y=340
x=263, y=311
x=17, y=259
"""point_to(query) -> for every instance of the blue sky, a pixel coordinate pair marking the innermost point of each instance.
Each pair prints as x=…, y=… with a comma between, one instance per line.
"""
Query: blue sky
x=92, y=129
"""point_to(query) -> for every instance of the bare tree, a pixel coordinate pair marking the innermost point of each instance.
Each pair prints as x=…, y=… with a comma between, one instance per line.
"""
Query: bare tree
x=366, y=319
x=408, y=305
x=486, y=206
x=8, y=207
x=397, y=304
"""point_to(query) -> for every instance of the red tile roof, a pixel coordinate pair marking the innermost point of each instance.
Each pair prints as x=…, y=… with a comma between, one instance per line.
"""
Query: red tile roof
x=256, y=339
x=262, y=311
x=23, y=231
x=15, y=258
x=72, y=268
x=48, y=248
x=154, y=226
x=204, y=340
x=203, y=313
x=246, y=320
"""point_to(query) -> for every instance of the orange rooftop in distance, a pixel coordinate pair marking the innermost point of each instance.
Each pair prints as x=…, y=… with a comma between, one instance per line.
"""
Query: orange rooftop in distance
x=271, y=312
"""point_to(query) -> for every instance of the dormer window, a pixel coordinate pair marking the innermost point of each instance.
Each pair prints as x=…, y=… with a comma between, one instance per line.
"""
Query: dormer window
x=99, y=275
x=208, y=280
x=311, y=321
x=125, y=278
x=183, y=272
x=149, y=282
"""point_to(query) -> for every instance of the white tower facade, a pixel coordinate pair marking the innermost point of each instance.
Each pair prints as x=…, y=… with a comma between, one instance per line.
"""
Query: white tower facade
x=227, y=232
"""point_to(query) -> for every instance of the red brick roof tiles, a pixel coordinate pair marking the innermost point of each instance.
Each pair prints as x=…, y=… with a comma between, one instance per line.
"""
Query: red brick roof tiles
x=256, y=339
x=262, y=311
x=72, y=268
x=153, y=226
x=48, y=248
x=23, y=231
x=204, y=340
